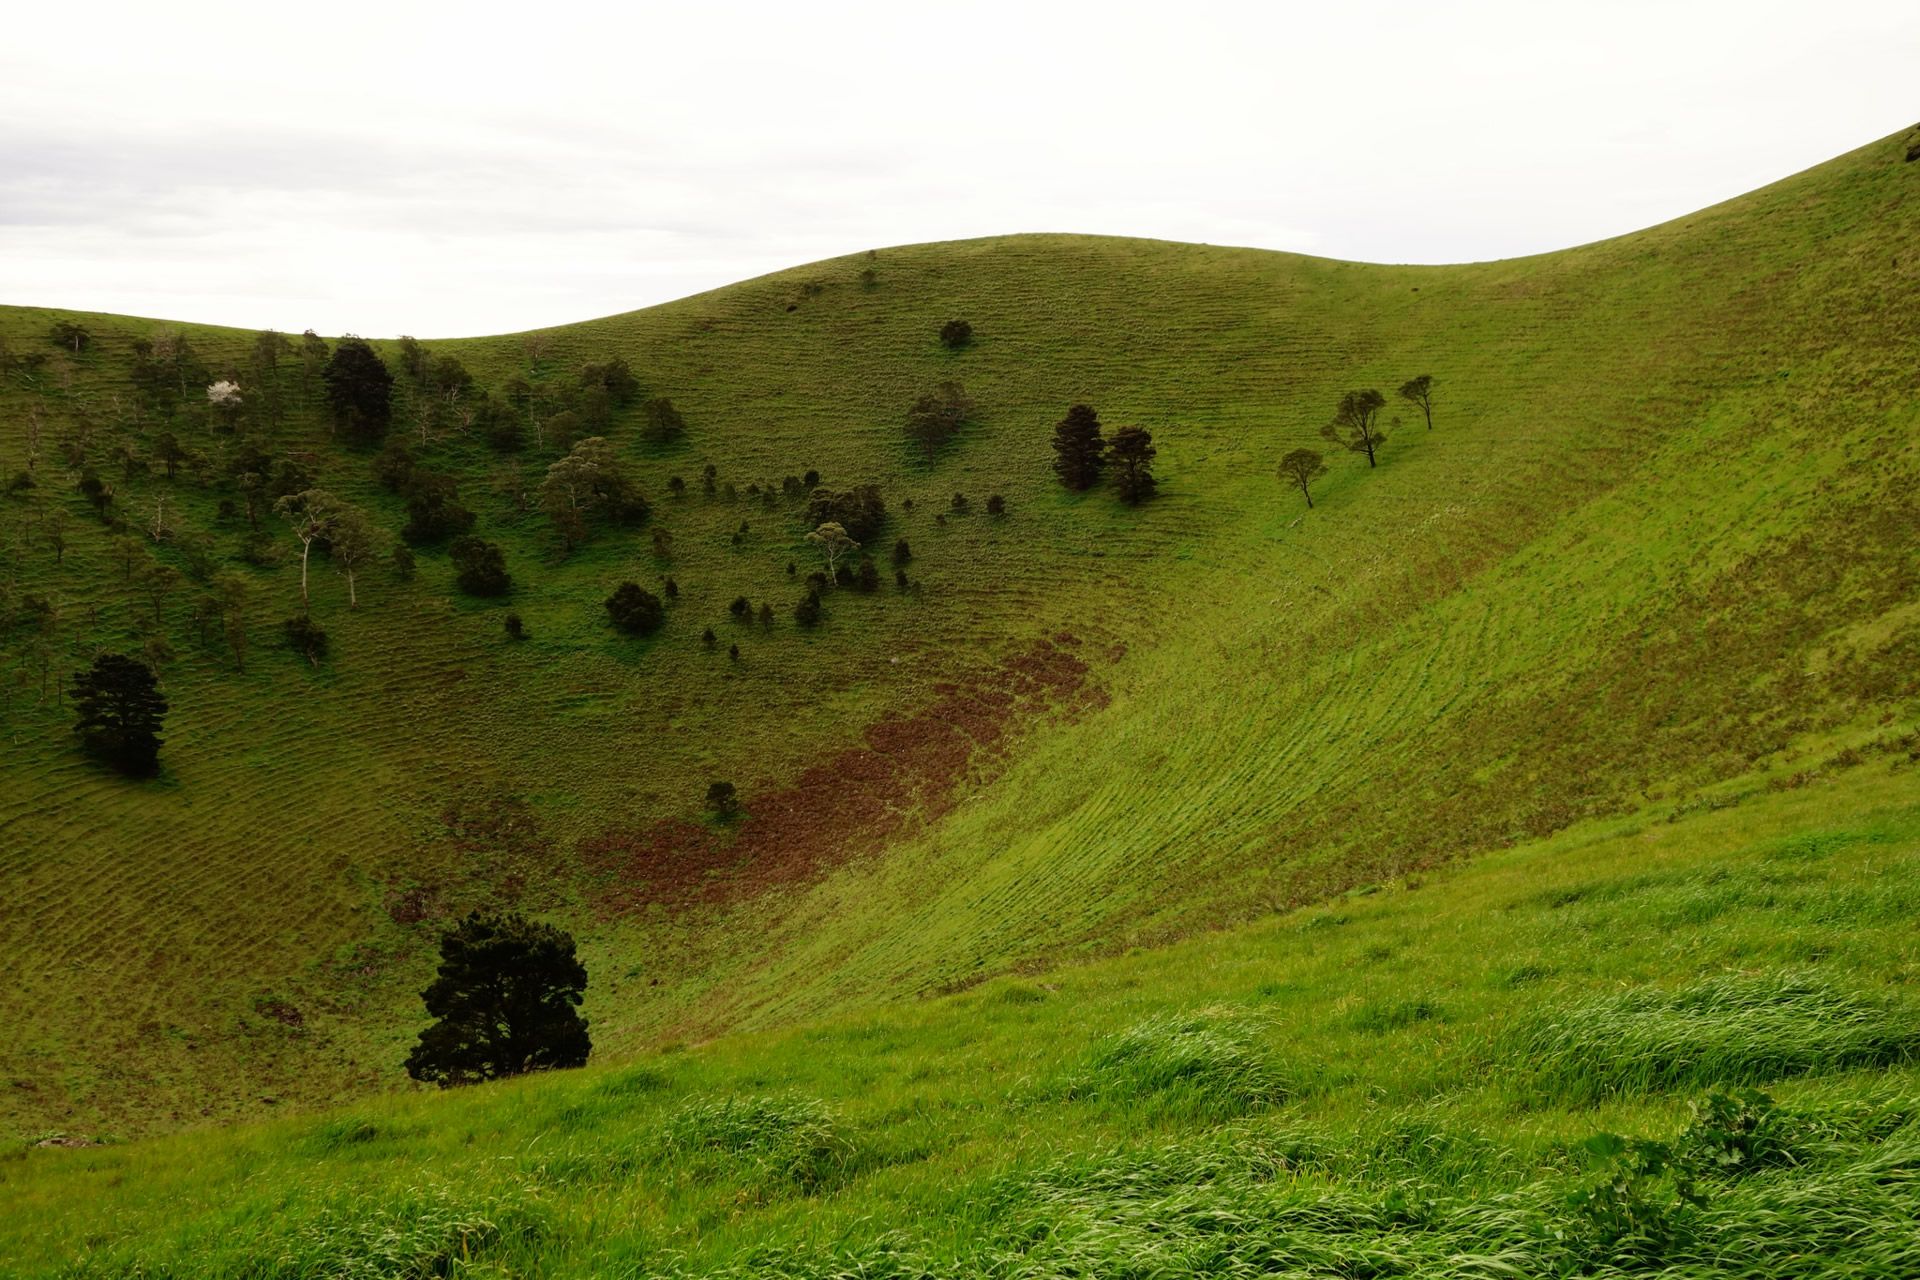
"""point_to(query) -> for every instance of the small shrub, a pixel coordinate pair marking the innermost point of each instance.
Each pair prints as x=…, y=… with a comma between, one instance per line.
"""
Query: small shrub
x=960, y=504
x=708, y=640
x=635, y=610
x=955, y=334
x=676, y=486
x=403, y=562
x=867, y=577
x=723, y=800
x=733, y=653
x=766, y=616
x=900, y=579
x=21, y=482
x=515, y=628
x=811, y=480
x=902, y=553
x=807, y=612
x=740, y=609
x=671, y=588
x=996, y=505
x=306, y=638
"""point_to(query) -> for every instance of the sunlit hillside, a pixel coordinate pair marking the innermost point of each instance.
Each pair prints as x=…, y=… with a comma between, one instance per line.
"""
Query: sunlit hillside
x=1656, y=550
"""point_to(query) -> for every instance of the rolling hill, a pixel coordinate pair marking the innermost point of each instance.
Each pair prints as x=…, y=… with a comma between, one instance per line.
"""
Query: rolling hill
x=1642, y=602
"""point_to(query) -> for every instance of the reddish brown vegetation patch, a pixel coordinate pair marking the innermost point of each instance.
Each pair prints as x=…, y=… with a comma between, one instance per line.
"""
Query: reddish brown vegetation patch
x=851, y=804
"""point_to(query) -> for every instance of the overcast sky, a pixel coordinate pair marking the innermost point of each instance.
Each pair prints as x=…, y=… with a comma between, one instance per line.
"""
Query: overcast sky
x=462, y=169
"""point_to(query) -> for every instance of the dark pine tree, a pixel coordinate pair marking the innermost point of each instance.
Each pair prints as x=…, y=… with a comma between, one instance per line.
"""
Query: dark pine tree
x=1132, y=455
x=121, y=708
x=360, y=390
x=1077, y=448
x=505, y=1002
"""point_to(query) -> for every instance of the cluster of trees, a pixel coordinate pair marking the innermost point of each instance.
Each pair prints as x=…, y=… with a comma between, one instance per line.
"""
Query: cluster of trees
x=1356, y=428
x=589, y=484
x=937, y=417
x=1082, y=454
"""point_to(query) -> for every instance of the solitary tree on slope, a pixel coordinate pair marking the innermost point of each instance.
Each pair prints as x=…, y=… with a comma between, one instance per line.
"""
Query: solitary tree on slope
x=1301, y=468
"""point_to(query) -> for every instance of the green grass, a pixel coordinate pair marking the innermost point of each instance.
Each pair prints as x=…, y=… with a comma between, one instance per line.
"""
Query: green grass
x=1656, y=558
x=1213, y=1107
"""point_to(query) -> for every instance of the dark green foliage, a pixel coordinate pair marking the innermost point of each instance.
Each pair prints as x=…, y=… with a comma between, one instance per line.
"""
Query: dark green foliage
x=740, y=609
x=506, y=1002
x=635, y=610
x=766, y=616
x=1301, y=467
x=900, y=579
x=1355, y=423
x=515, y=628
x=393, y=468
x=807, y=612
x=168, y=452
x=1635, y=1209
x=1420, y=391
x=359, y=391
x=120, y=713
x=434, y=512
x=996, y=505
x=733, y=653
x=1131, y=452
x=937, y=417
x=1078, y=448
x=708, y=474
x=671, y=588
x=97, y=492
x=306, y=637
x=663, y=422
x=811, y=480
x=955, y=334
x=1737, y=1132
x=961, y=504
x=615, y=377
x=867, y=577
x=723, y=800
x=708, y=640
x=403, y=562
x=480, y=567
x=902, y=553
x=73, y=337
x=676, y=486
x=861, y=511
x=501, y=427
x=21, y=482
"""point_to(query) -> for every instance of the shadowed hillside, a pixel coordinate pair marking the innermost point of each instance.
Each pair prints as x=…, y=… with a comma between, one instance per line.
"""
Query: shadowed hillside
x=1660, y=539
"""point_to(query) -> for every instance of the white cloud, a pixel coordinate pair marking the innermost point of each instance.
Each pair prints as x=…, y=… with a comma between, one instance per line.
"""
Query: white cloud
x=487, y=168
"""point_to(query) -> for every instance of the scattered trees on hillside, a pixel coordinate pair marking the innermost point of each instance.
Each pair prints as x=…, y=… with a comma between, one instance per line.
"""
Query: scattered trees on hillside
x=937, y=416
x=635, y=610
x=1078, y=448
x=1300, y=468
x=1420, y=391
x=225, y=402
x=955, y=334
x=311, y=514
x=1132, y=453
x=833, y=542
x=360, y=391
x=121, y=710
x=355, y=543
x=480, y=567
x=1355, y=423
x=505, y=1002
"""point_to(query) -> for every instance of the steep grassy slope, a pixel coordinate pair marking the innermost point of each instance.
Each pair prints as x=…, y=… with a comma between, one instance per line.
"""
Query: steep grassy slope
x=1399, y=1082
x=1661, y=536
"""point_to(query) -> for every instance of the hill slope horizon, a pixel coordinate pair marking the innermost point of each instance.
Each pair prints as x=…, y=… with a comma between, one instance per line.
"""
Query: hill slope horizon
x=1656, y=544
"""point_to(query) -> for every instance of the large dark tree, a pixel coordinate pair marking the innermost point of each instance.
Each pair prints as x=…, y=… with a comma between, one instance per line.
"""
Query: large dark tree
x=480, y=567
x=1355, y=424
x=121, y=708
x=1420, y=391
x=360, y=389
x=664, y=423
x=506, y=1002
x=1131, y=453
x=1078, y=448
x=636, y=610
x=955, y=334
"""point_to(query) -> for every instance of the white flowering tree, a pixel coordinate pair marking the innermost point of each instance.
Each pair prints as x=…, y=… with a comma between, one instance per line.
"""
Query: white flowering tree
x=225, y=402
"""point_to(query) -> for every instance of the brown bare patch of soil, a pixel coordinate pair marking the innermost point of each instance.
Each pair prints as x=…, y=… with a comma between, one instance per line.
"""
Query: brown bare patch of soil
x=905, y=770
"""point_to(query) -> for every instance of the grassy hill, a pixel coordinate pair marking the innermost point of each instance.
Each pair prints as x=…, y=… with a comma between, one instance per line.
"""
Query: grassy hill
x=1657, y=552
